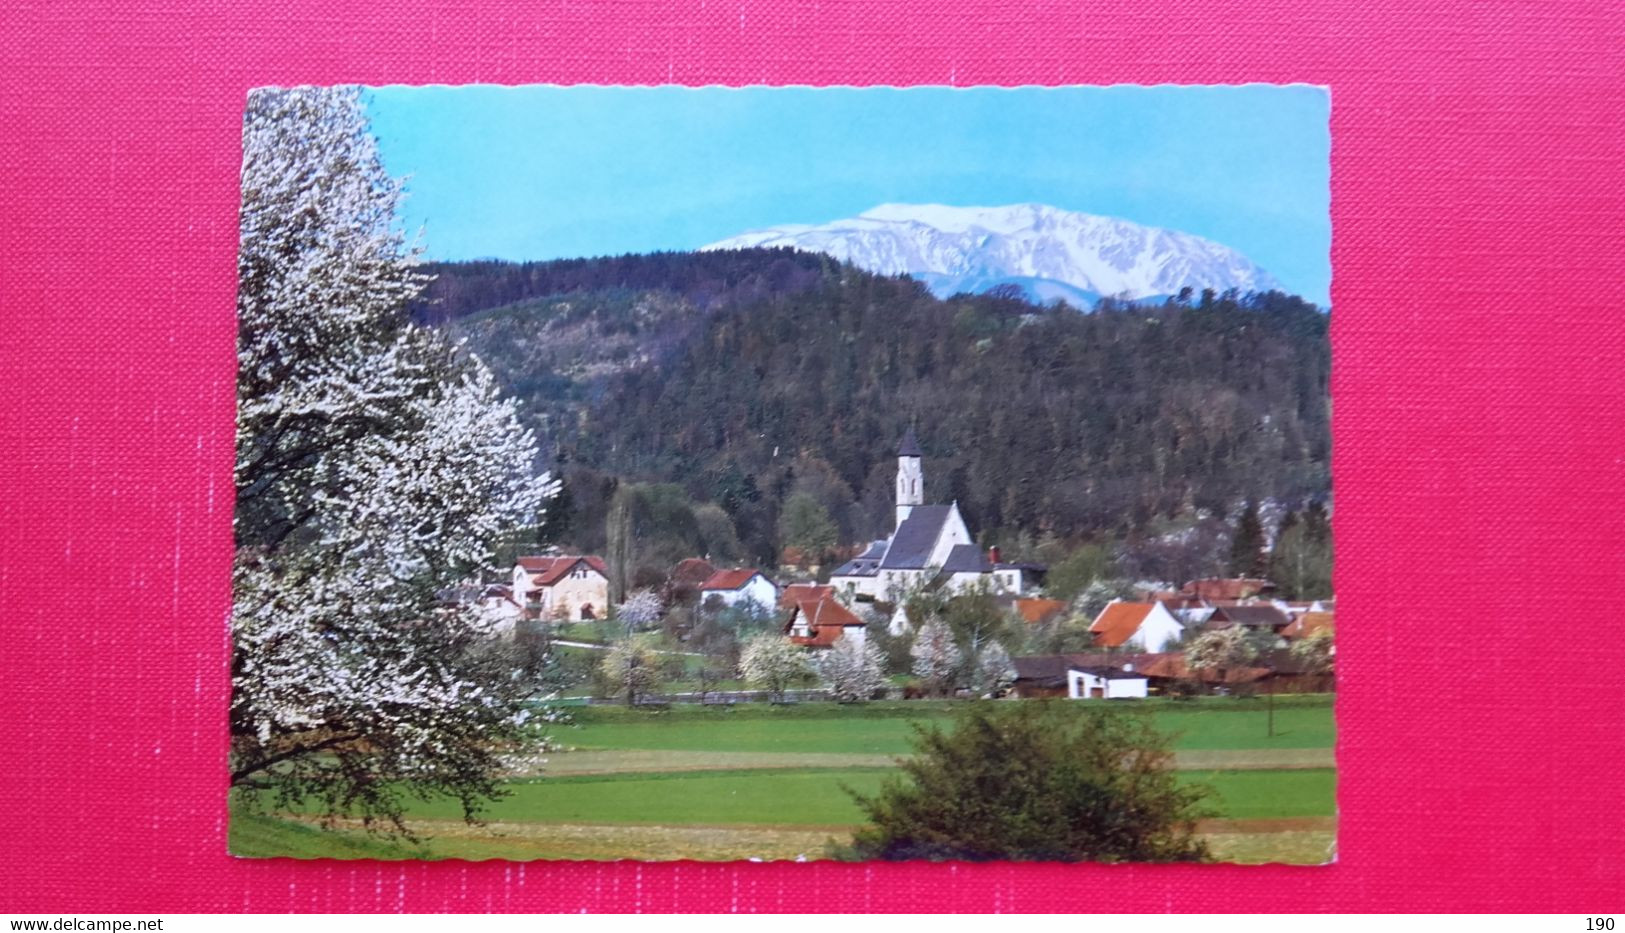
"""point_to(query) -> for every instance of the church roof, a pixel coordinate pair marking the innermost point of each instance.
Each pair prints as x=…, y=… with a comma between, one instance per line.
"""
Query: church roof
x=910, y=447
x=912, y=544
x=866, y=564
x=966, y=558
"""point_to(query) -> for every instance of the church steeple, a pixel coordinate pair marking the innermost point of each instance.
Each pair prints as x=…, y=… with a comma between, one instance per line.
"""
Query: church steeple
x=910, y=446
x=910, y=476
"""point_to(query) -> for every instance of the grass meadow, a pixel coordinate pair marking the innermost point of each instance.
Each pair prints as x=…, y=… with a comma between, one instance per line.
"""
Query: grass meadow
x=758, y=781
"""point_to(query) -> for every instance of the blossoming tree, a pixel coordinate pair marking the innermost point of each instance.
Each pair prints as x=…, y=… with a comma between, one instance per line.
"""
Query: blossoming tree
x=376, y=468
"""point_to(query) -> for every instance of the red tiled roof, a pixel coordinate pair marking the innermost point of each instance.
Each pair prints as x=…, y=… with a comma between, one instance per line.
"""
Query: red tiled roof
x=1118, y=622
x=550, y=570
x=796, y=592
x=729, y=579
x=1308, y=624
x=691, y=572
x=826, y=611
x=1231, y=588
x=825, y=617
x=1034, y=611
x=1173, y=667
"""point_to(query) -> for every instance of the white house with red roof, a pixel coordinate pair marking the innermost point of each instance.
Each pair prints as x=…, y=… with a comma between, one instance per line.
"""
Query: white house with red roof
x=818, y=620
x=734, y=587
x=1147, y=626
x=562, y=588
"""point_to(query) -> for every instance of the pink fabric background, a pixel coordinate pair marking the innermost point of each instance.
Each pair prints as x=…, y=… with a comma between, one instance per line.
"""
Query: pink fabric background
x=1479, y=385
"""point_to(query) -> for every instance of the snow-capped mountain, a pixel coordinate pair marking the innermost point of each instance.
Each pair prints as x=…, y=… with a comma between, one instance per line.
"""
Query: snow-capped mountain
x=1048, y=252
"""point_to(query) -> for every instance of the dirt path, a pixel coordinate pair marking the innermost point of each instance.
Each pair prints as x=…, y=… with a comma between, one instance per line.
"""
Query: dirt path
x=1306, y=841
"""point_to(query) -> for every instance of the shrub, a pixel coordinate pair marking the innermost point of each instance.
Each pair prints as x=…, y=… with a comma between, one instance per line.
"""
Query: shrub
x=1032, y=781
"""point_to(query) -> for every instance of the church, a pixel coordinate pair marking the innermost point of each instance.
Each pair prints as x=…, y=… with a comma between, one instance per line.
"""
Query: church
x=930, y=547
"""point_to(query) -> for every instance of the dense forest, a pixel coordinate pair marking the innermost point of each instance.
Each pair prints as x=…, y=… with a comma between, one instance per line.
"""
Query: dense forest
x=744, y=380
x=703, y=279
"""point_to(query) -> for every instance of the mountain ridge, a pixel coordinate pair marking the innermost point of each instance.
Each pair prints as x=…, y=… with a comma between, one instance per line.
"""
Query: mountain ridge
x=1046, y=252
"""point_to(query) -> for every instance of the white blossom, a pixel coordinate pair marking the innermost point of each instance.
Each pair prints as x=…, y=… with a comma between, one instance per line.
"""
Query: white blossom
x=631, y=668
x=853, y=670
x=936, y=657
x=771, y=662
x=640, y=610
x=993, y=671
x=1221, y=650
x=376, y=467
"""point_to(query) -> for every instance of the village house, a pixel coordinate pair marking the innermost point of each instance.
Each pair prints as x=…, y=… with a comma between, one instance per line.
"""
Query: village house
x=800, y=592
x=818, y=620
x=562, y=588
x=498, y=609
x=682, y=587
x=1220, y=591
x=1077, y=677
x=734, y=587
x=1038, y=611
x=1307, y=624
x=1109, y=683
x=1146, y=626
x=1258, y=617
x=930, y=546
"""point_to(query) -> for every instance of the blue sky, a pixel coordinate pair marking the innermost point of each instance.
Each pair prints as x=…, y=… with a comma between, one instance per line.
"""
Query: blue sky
x=547, y=172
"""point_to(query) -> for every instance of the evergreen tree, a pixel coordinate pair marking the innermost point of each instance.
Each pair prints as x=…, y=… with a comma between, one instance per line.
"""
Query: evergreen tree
x=1247, y=544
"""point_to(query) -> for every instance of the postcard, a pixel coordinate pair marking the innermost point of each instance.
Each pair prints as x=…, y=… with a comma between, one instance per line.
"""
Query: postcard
x=784, y=473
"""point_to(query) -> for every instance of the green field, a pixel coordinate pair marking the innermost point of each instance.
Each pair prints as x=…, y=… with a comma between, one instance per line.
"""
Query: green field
x=885, y=728
x=772, y=782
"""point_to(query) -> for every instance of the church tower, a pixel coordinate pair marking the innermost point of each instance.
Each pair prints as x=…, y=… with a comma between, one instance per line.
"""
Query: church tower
x=910, y=478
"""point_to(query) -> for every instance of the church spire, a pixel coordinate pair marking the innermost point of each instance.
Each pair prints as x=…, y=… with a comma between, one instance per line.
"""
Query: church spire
x=910, y=476
x=910, y=447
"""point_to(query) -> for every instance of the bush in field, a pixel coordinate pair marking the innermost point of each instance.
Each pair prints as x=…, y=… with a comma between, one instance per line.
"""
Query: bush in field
x=936, y=657
x=1035, y=781
x=770, y=662
x=632, y=668
x=853, y=670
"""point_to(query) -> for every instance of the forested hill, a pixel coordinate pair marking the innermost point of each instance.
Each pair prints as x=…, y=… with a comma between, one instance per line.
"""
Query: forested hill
x=704, y=279
x=1034, y=419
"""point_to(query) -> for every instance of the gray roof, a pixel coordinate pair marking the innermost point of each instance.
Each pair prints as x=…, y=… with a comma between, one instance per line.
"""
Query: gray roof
x=910, y=447
x=866, y=564
x=857, y=567
x=916, y=536
x=966, y=558
x=1254, y=615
